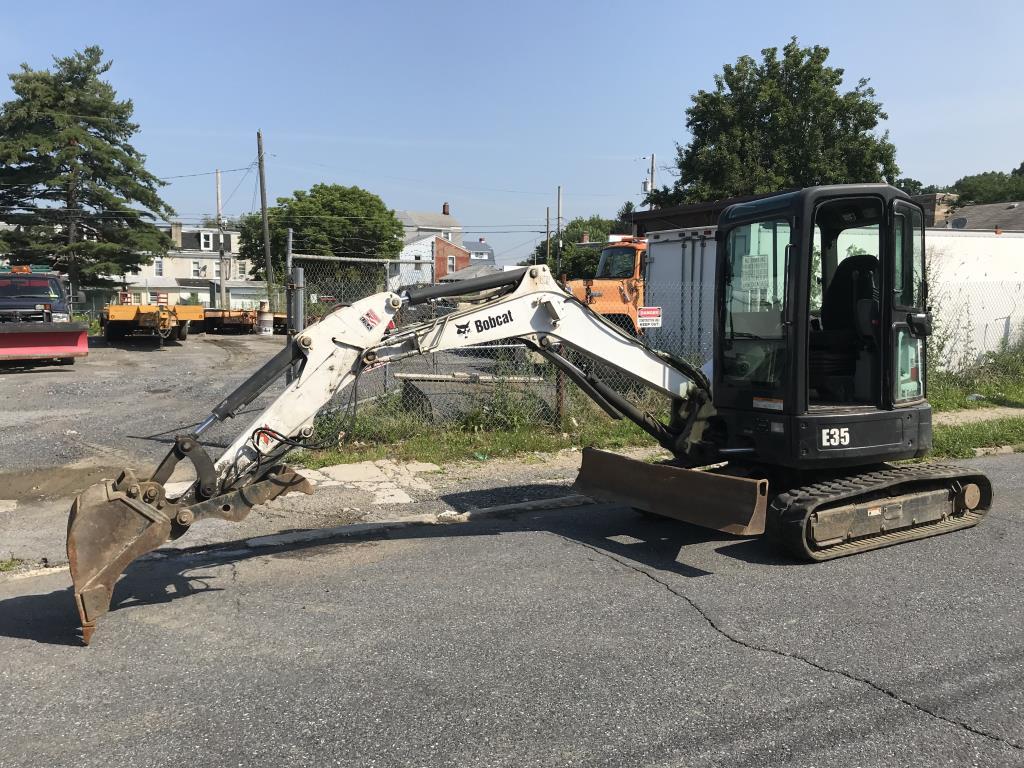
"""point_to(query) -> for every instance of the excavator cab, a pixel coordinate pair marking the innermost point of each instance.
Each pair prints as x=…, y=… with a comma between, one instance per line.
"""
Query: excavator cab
x=822, y=322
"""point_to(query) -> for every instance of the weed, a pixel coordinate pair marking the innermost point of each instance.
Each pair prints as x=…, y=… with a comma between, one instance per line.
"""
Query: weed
x=959, y=441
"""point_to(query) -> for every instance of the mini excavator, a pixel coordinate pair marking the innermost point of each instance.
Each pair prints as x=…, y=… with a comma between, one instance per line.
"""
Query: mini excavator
x=817, y=385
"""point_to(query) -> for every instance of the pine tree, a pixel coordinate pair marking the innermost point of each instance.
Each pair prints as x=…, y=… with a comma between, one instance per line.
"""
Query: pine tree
x=74, y=188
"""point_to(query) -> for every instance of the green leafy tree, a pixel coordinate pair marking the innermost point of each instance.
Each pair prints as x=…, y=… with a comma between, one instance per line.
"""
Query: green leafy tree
x=327, y=220
x=578, y=260
x=73, y=187
x=990, y=187
x=623, y=224
x=779, y=123
x=910, y=186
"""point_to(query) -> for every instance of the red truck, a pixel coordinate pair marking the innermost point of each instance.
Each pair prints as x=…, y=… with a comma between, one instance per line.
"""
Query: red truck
x=36, y=325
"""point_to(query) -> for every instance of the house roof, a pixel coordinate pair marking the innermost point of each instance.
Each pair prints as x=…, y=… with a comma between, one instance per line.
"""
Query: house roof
x=427, y=220
x=1006, y=216
x=167, y=226
x=475, y=246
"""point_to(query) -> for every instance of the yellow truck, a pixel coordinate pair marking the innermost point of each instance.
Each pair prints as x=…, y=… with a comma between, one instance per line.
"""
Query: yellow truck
x=162, y=321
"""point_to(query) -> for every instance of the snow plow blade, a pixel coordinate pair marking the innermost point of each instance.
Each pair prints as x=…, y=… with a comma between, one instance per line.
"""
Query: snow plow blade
x=721, y=502
x=43, y=341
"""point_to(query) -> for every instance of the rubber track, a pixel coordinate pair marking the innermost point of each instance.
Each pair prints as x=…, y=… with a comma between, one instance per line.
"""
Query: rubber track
x=789, y=512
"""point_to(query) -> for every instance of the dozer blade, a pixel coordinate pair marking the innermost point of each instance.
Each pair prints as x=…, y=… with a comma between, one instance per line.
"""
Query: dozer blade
x=721, y=502
x=107, y=530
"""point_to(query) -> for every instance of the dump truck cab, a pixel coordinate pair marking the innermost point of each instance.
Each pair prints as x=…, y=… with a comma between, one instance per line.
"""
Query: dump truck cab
x=617, y=288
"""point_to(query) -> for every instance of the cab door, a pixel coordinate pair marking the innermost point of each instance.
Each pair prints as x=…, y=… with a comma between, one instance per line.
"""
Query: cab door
x=906, y=314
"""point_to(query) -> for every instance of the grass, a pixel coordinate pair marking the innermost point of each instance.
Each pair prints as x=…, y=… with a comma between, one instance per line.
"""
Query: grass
x=442, y=444
x=948, y=392
x=959, y=442
x=9, y=564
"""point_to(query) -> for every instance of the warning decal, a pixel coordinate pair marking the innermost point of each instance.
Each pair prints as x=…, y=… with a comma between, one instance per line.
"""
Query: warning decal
x=648, y=317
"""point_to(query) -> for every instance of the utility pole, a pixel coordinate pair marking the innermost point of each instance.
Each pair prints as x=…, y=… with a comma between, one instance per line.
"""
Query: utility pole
x=558, y=227
x=220, y=231
x=650, y=206
x=547, y=238
x=266, y=221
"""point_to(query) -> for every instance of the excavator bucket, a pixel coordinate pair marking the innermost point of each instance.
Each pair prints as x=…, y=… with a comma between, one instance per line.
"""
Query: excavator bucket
x=107, y=530
x=723, y=502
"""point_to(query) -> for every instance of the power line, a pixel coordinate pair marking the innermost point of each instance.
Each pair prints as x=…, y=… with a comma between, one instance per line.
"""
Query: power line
x=204, y=173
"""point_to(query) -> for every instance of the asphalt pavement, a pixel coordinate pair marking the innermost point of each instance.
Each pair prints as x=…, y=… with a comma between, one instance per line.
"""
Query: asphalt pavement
x=587, y=636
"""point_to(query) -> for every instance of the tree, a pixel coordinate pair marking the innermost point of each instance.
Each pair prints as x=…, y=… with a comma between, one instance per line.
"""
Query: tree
x=623, y=224
x=990, y=187
x=327, y=220
x=71, y=184
x=777, y=124
x=910, y=186
x=578, y=261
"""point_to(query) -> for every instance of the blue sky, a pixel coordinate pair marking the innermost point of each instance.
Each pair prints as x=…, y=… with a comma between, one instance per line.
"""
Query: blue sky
x=490, y=106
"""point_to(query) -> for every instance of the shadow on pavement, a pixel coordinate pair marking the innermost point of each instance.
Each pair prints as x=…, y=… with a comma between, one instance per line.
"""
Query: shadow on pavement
x=649, y=542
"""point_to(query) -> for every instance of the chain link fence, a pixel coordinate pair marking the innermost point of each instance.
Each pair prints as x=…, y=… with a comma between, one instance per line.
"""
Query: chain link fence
x=978, y=332
x=480, y=387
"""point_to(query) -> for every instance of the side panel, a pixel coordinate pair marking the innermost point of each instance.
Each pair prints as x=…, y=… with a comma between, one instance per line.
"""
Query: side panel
x=681, y=280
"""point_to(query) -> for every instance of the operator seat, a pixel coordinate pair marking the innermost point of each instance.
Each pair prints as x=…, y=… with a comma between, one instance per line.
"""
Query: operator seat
x=849, y=312
x=855, y=279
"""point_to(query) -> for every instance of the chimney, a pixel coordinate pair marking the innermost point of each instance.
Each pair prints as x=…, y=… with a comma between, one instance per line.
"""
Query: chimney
x=176, y=234
x=482, y=240
x=585, y=238
x=446, y=210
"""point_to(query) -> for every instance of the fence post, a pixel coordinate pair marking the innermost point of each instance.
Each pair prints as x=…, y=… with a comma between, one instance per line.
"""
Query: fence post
x=296, y=311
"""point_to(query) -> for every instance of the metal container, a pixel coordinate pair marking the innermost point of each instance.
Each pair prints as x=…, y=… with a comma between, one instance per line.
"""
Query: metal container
x=265, y=320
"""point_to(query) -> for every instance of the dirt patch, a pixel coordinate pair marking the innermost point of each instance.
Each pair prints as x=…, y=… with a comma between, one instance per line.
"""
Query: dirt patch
x=52, y=483
x=971, y=416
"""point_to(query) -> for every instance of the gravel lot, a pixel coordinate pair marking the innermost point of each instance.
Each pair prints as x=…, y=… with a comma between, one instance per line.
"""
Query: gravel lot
x=121, y=404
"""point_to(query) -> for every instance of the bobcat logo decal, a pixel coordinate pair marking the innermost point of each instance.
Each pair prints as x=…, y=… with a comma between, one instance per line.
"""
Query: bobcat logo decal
x=462, y=330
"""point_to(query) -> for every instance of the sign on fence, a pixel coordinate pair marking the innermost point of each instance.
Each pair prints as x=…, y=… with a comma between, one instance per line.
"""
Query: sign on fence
x=648, y=317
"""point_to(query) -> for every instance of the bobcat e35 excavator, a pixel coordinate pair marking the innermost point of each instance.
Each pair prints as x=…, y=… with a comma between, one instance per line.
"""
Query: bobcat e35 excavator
x=819, y=381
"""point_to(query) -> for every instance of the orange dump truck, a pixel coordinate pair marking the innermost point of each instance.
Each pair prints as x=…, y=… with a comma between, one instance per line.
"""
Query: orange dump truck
x=165, y=322
x=617, y=289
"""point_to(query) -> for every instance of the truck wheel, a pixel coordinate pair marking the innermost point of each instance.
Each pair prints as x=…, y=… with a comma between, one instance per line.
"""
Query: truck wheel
x=183, y=330
x=113, y=331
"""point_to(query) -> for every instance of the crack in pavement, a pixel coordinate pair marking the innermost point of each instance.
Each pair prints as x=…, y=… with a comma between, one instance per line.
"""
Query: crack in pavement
x=794, y=656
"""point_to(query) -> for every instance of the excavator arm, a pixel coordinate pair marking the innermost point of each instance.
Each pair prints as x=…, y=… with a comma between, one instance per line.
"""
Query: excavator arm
x=114, y=522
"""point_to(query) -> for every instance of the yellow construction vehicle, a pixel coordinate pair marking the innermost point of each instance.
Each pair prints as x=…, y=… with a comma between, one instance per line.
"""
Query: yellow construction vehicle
x=160, y=320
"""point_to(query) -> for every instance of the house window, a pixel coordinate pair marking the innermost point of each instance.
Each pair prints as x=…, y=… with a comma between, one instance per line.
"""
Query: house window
x=196, y=270
x=206, y=241
x=451, y=264
x=158, y=267
x=216, y=268
x=136, y=298
x=447, y=235
x=418, y=266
